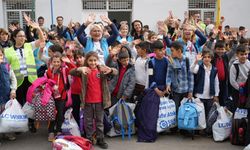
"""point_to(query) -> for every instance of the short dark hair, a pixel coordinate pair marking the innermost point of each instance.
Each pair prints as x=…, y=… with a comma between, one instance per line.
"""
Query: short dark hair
x=227, y=26
x=59, y=17
x=157, y=45
x=208, y=51
x=56, y=48
x=243, y=41
x=144, y=45
x=56, y=55
x=177, y=45
x=15, y=22
x=78, y=52
x=241, y=28
x=241, y=49
x=40, y=17
x=220, y=44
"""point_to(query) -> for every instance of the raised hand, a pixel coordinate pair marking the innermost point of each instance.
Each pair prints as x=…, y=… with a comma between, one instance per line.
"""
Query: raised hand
x=34, y=25
x=65, y=59
x=105, y=69
x=27, y=18
x=84, y=70
x=106, y=19
x=198, y=57
x=12, y=27
x=90, y=19
x=186, y=15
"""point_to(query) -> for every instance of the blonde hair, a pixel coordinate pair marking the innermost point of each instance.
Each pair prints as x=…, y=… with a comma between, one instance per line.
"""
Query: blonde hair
x=96, y=26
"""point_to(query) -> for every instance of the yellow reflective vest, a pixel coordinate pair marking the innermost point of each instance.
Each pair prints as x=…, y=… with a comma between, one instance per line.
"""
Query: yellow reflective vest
x=13, y=59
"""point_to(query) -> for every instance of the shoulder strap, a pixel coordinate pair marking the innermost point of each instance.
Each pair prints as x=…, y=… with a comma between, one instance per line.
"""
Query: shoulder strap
x=187, y=64
x=237, y=70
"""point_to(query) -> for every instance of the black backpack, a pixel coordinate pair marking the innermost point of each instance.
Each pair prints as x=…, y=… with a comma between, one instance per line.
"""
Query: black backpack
x=238, y=134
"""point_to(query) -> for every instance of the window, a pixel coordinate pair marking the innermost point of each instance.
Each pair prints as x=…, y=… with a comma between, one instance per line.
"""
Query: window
x=120, y=4
x=206, y=8
x=98, y=4
x=107, y=4
x=14, y=10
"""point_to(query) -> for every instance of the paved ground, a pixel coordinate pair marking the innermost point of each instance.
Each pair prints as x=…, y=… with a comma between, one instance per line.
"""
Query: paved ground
x=38, y=141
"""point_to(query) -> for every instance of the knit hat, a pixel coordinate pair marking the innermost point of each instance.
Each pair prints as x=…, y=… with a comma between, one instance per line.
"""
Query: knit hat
x=123, y=54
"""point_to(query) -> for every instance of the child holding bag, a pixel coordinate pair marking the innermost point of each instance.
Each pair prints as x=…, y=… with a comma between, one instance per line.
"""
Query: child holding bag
x=95, y=93
x=8, y=86
x=57, y=71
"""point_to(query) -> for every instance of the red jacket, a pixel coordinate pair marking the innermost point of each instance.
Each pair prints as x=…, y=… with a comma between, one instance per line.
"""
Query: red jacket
x=76, y=86
x=55, y=76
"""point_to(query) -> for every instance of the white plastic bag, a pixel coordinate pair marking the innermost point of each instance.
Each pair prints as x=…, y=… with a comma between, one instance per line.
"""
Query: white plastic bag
x=29, y=110
x=201, y=112
x=247, y=148
x=13, y=118
x=69, y=125
x=63, y=144
x=222, y=126
x=167, y=114
x=240, y=113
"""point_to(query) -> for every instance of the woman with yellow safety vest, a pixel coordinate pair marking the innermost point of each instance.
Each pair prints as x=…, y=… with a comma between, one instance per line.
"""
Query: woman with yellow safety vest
x=22, y=61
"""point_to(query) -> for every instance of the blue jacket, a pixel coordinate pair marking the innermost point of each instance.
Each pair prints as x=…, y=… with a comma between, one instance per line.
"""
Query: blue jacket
x=129, y=38
x=90, y=45
x=5, y=83
x=199, y=80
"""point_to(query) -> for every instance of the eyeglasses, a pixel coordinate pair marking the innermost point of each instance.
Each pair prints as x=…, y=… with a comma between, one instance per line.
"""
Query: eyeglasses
x=20, y=36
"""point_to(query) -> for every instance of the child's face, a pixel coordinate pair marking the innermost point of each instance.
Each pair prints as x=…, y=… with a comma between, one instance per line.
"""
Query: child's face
x=1, y=56
x=3, y=37
x=220, y=51
x=206, y=59
x=175, y=53
x=56, y=62
x=79, y=60
x=159, y=53
x=153, y=39
x=50, y=53
x=124, y=62
x=242, y=56
x=92, y=62
x=140, y=51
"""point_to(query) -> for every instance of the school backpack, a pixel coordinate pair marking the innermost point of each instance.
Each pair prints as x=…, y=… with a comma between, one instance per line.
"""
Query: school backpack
x=242, y=89
x=123, y=119
x=239, y=129
x=188, y=116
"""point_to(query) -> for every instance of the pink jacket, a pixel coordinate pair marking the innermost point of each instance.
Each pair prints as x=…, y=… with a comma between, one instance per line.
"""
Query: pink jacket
x=47, y=90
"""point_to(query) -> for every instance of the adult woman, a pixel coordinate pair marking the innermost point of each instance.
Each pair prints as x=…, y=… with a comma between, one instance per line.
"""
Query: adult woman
x=137, y=30
x=96, y=41
x=22, y=61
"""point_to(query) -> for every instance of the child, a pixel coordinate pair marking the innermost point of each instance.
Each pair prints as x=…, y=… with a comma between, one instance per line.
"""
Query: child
x=8, y=86
x=141, y=67
x=206, y=82
x=56, y=73
x=95, y=93
x=157, y=69
x=179, y=76
x=76, y=86
x=239, y=76
x=122, y=85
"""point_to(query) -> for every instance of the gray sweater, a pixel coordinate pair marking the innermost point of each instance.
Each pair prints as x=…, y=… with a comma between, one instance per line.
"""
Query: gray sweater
x=243, y=73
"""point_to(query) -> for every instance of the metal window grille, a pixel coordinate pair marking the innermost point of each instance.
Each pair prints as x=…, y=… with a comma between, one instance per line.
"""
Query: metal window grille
x=96, y=4
x=194, y=4
x=18, y=4
x=14, y=10
x=209, y=14
x=120, y=4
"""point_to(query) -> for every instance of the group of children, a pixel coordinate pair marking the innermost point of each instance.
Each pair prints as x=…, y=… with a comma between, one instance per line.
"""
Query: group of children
x=115, y=67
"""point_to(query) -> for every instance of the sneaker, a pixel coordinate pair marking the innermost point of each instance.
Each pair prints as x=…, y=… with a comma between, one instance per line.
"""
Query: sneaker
x=102, y=144
x=51, y=137
x=10, y=137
